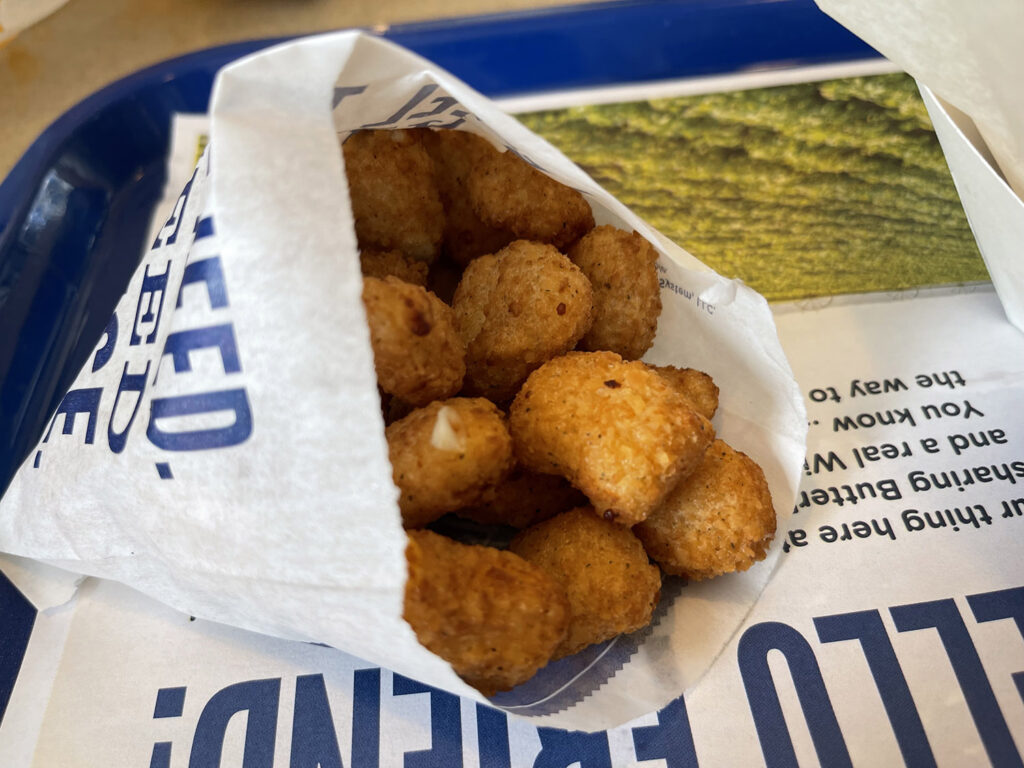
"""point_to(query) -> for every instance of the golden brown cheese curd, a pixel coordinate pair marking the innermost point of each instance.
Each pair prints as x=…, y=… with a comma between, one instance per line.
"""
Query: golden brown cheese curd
x=494, y=617
x=627, y=297
x=718, y=520
x=615, y=429
x=466, y=236
x=696, y=386
x=445, y=455
x=611, y=585
x=395, y=202
x=381, y=264
x=515, y=310
x=508, y=193
x=417, y=352
x=524, y=498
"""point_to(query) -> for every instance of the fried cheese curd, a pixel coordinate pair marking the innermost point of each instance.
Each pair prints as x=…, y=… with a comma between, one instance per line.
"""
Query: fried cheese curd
x=627, y=296
x=417, y=351
x=508, y=193
x=696, y=386
x=466, y=236
x=615, y=429
x=382, y=264
x=611, y=585
x=515, y=310
x=524, y=498
x=395, y=202
x=494, y=617
x=718, y=520
x=445, y=455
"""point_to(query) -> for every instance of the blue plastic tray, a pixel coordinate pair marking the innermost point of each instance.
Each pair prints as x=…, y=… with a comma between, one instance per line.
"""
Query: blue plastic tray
x=75, y=208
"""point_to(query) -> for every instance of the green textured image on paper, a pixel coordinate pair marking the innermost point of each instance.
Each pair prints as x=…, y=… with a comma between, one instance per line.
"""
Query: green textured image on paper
x=802, y=190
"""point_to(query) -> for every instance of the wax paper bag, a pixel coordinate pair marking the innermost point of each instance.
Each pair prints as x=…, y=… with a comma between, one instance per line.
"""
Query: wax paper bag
x=223, y=449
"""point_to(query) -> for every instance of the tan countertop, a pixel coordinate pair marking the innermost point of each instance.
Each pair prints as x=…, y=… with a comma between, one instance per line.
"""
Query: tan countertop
x=90, y=43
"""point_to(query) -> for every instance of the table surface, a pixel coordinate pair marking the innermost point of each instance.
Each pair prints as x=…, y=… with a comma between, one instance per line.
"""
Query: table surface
x=90, y=43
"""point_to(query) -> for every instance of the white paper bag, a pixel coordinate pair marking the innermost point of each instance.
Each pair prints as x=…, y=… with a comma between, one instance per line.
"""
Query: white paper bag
x=228, y=453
